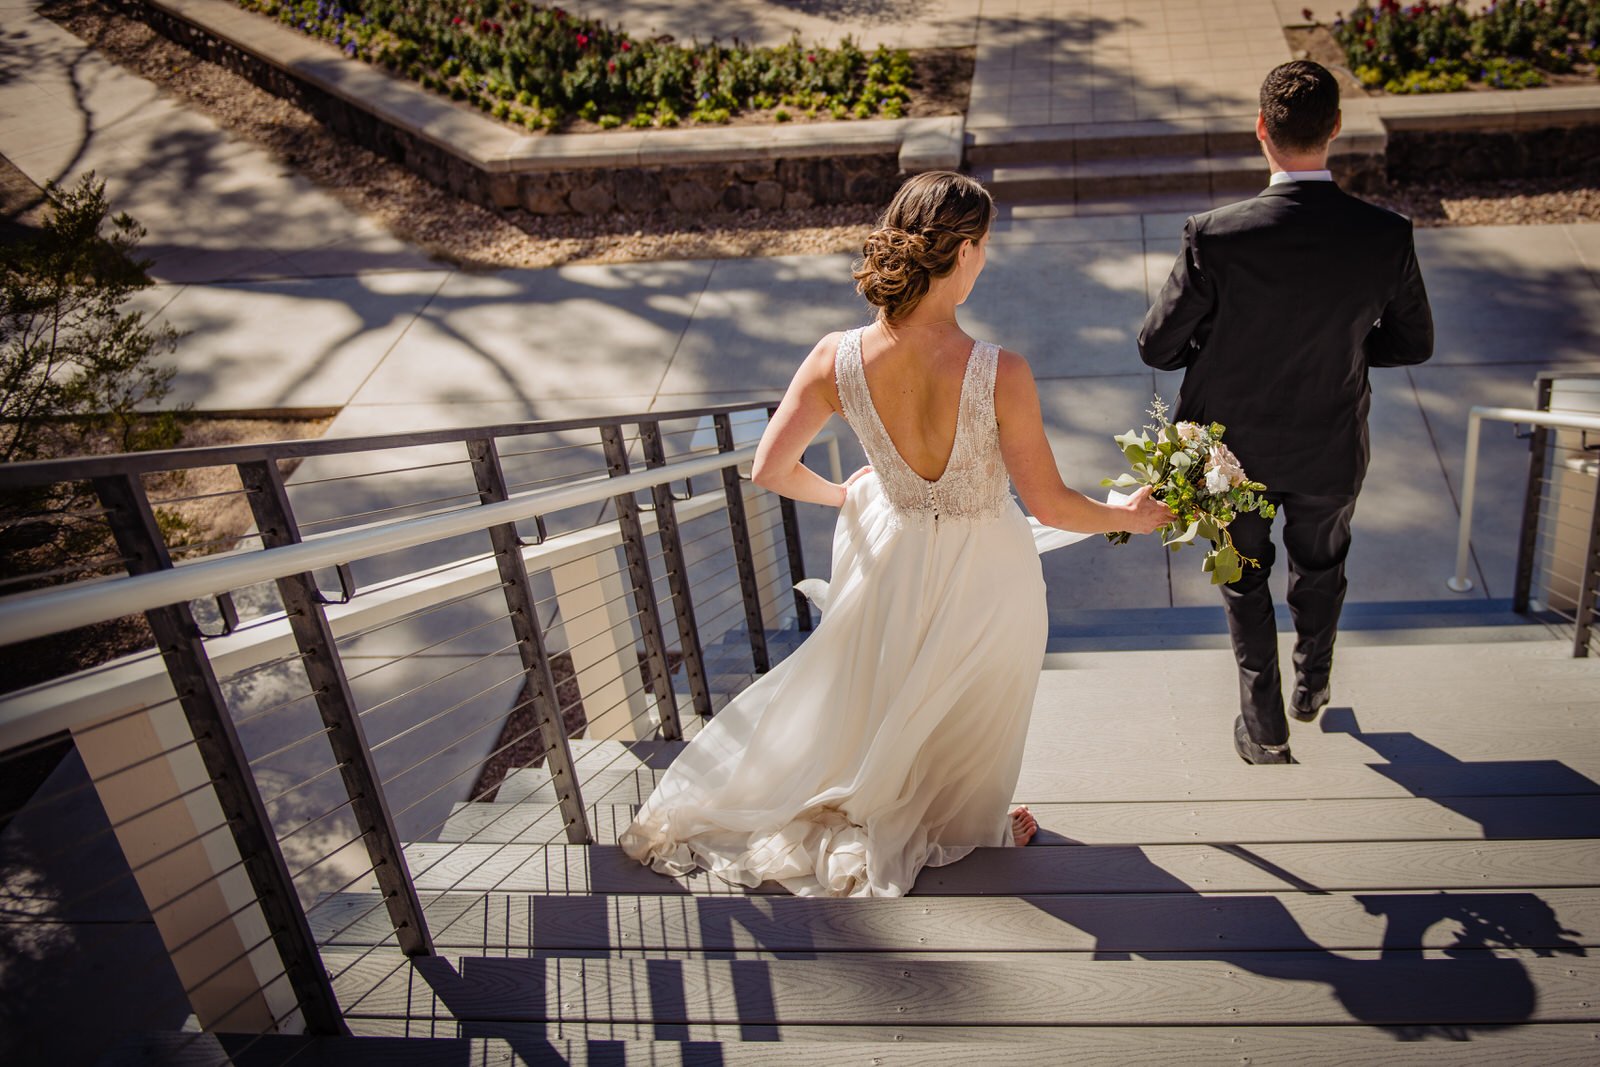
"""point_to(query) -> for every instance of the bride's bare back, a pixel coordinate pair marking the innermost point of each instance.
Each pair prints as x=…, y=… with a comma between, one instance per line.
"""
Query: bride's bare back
x=915, y=382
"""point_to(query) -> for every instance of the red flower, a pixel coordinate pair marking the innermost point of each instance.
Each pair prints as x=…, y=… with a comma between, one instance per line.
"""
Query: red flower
x=612, y=66
x=560, y=14
x=583, y=40
x=626, y=47
x=456, y=21
x=811, y=57
x=1370, y=43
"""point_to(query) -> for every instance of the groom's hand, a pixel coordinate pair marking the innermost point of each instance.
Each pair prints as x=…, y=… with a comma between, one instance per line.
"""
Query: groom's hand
x=1145, y=513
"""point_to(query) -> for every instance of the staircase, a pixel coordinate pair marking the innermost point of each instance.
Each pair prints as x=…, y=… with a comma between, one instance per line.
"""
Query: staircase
x=1424, y=883
x=1152, y=165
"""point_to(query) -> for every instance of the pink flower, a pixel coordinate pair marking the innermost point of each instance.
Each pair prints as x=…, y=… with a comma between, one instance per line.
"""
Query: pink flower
x=583, y=40
x=612, y=66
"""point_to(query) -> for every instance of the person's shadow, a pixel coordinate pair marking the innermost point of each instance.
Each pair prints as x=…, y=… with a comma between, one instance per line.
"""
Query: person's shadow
x=1416, y=987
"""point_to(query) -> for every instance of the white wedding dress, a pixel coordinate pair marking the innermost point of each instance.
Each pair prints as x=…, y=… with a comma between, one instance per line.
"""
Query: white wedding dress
x=892, y=738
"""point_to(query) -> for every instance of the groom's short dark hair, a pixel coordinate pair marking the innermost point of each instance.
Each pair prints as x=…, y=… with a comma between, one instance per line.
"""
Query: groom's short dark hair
x=1300, y=103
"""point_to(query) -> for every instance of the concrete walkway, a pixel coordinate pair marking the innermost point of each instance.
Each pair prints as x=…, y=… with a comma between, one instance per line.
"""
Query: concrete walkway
x=292, y=303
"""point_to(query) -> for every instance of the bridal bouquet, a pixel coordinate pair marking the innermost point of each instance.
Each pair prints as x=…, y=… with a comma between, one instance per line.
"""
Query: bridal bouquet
x=1189, y=469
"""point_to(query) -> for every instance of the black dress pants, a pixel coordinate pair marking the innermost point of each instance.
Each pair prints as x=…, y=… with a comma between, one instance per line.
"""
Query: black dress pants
x=1316, y=538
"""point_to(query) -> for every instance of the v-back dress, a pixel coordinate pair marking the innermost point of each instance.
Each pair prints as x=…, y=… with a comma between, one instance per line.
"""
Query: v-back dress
x=892, y=738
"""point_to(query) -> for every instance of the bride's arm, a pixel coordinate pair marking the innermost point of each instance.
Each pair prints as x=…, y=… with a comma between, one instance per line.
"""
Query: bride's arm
x=806, y=407
x=1033, y=471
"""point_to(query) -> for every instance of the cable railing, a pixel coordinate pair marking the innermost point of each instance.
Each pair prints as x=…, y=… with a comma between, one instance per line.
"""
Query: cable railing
x=1558, y=544
x=396, y=636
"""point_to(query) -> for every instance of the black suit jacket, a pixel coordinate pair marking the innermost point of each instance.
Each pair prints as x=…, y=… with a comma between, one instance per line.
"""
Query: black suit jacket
x=1275, y=309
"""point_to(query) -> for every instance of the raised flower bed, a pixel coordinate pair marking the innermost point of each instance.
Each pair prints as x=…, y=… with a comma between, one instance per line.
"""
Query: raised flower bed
x=544, y=68
x=1434, y=48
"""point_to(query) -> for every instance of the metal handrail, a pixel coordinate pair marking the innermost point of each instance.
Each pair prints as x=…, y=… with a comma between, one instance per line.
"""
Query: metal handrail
x=1459, y=582
x=76, y=468
x=66, y=608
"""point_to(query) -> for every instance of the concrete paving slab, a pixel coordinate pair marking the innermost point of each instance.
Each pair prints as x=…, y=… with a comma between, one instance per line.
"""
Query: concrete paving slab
x=736, y=341
x=1073, y=310
x=294, y=343
x=576, y=332
x=1505, y=294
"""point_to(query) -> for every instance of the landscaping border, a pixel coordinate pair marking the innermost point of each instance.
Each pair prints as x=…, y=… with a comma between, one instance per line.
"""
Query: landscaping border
x=693, y=171
x=700, y=170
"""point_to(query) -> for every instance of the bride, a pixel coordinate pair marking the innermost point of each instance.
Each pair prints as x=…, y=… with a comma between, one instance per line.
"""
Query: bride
x=892, y=738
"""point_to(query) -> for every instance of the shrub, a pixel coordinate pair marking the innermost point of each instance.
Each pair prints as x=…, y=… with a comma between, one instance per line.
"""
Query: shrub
x=574, y=66
x=1432, y=47
x=70, y=357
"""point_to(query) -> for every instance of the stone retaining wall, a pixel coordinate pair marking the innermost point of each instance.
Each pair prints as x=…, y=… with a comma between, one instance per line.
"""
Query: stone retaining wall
x=1491, y=154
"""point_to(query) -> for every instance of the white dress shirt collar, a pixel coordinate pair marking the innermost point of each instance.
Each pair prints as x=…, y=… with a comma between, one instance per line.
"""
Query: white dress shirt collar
x=1281, y=176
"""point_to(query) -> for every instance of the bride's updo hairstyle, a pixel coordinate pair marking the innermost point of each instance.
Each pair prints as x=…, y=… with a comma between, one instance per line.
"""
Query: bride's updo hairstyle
x=919, y=237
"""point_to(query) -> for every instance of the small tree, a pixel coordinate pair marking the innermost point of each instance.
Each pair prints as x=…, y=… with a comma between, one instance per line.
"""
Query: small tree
x=75, y=370
x=71, y=359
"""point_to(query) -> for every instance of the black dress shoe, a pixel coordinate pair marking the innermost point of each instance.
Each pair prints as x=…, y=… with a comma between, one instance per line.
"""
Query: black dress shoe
x=1251, y=752
x=1304, y=706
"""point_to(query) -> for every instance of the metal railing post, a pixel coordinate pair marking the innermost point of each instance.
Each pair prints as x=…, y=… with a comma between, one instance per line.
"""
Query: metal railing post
x=739, y=526
x=655, y=455
x=138, y=537
x=1528, y=538
x=347, y=738
x=1589, y=586
x=531, y=647
x=644, y=592
x=791, y=541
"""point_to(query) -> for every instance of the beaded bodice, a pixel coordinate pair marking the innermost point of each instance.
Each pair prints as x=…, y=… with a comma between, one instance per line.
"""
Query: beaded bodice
x=974, y=484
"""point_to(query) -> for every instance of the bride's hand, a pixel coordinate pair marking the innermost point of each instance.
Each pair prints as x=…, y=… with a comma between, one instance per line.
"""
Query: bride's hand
x=852, y=480
x=1145, y=513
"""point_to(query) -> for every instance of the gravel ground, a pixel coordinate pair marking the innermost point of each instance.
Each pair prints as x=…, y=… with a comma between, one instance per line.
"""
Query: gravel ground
x=476, y=237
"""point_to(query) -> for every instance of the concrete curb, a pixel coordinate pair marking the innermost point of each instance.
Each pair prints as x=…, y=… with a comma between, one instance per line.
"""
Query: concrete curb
x=919, y=144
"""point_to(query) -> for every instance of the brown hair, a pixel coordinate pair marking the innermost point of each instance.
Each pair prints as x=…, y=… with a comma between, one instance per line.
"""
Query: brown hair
x=1300, y=103
x=919, y=238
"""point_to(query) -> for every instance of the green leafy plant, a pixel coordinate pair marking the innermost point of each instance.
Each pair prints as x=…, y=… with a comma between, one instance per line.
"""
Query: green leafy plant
x=1189, y=469
x=548, y=65
x=1443, y=47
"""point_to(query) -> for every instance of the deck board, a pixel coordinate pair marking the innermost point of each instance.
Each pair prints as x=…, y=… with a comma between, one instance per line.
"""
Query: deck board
x=515, y=1045
x=1565, y=920
x=1472, y=987
x=1329, y=866
x=1169, y=822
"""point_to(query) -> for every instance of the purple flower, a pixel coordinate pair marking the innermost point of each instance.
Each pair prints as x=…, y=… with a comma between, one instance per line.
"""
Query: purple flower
x=350, y=49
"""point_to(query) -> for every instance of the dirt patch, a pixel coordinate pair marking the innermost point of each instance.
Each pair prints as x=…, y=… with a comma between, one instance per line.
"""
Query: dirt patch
x=1511, y=202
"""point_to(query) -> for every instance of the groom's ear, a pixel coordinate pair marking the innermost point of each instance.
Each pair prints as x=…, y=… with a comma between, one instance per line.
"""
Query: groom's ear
x=1261, y=126
x=1338, y=124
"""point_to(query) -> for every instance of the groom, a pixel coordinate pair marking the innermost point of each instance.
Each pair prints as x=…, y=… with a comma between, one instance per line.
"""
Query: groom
x=1275, y=310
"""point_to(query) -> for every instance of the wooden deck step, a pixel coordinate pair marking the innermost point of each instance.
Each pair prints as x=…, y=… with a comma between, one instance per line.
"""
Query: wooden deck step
x=1351, y=866
x=1473, y=987
x=1163, y=822
x=1554, y=1045
x=1563, y=921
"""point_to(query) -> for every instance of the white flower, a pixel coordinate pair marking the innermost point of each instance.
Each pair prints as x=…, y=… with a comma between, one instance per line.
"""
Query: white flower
x=1191, y=432
x=1223, y=471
